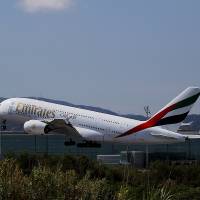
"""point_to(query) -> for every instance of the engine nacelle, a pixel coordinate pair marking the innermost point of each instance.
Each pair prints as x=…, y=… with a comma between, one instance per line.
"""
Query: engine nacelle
x=35, y=127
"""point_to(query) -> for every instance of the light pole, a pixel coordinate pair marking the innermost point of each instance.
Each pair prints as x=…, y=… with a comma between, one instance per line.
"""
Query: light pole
x=148, y=114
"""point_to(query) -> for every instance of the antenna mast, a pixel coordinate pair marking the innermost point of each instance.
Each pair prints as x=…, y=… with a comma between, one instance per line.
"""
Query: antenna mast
x=147, y=111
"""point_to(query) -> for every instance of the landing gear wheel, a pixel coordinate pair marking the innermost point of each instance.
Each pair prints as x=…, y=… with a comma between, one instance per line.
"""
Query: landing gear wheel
x=69, y=143
x=3, y=125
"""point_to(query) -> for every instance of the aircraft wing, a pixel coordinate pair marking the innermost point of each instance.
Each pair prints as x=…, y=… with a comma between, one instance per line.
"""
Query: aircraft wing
x=65, y=127
x=62, y=126
x=58, y=123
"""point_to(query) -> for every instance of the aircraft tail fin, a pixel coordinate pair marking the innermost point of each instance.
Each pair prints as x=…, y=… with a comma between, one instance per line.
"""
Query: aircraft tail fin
x=174, y=112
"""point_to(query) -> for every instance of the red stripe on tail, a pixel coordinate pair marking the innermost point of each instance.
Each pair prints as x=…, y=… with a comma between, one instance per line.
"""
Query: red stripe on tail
x=151, y=122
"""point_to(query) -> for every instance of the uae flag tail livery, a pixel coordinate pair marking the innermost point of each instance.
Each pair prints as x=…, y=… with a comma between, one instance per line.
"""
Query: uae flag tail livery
x=173, y=113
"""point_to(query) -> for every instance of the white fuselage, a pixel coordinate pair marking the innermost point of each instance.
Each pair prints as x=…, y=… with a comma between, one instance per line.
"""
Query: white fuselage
x=92, y=125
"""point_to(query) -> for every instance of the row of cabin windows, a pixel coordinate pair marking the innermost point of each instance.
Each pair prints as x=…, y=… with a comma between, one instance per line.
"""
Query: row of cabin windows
x=115, y=132
x=109, y=121
x=68, y=113
x=93, y=127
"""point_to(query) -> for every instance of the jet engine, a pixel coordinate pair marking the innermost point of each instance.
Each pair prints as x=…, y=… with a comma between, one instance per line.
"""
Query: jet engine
x=36, y=127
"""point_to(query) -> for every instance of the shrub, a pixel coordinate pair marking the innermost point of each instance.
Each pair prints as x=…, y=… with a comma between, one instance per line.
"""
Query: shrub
x=12, y=180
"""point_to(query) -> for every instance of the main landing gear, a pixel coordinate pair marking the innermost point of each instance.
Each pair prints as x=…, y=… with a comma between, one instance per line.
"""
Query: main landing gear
x=70, y=142
x=85, y=144
x=89, y=144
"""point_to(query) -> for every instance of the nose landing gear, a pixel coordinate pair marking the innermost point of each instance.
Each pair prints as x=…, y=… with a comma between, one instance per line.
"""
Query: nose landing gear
x=3, y=125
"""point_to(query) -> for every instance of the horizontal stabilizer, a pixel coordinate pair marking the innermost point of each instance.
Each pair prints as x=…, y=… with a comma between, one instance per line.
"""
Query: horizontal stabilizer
x=192, y=137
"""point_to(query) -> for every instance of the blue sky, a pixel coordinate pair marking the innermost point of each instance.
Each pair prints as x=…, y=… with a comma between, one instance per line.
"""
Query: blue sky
x=115, y=54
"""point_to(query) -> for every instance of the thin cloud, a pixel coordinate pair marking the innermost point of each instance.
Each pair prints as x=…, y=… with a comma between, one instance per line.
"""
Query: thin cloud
x=45, y=5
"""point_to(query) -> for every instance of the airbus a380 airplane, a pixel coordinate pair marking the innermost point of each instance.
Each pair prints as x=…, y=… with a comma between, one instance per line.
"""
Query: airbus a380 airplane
x=39, y=117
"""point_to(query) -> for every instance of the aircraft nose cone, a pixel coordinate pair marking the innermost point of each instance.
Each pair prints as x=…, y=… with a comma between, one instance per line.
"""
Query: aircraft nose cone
x=1, y=110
